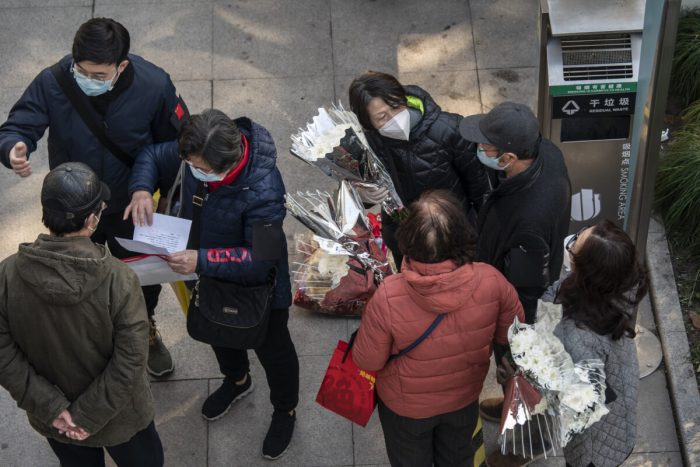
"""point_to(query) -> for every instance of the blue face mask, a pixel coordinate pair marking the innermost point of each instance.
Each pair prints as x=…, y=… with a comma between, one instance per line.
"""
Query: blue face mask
x=490, y=162
x=93, y=87
x=205, y=177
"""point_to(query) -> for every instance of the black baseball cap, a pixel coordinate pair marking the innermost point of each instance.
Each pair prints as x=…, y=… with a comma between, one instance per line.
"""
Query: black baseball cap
x=73, y=189
x=509, y=126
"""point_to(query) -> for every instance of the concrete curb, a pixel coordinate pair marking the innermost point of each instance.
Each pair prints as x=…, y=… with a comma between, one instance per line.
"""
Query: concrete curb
x=674, y=342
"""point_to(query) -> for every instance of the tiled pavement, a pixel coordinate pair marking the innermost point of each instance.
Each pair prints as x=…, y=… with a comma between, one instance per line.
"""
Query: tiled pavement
x=277, y=61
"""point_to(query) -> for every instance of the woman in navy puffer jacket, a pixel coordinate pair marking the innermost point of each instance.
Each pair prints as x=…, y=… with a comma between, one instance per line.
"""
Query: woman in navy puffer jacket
x=233, y=164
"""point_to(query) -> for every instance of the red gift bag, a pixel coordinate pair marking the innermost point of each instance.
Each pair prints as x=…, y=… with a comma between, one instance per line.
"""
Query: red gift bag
x=346, y=389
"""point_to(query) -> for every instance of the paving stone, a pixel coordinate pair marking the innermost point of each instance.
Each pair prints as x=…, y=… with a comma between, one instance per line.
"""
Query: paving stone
x=416, y=37
x=20, y=445
x=26, y=50
x=197, y=94
x=20, y=211
x=44, y=3
x=315, y=333
x=177, y=38
x=321, y=438
x=266, y=38
x=141, y=2
x=508, y=84
x=654, y=459
x=453, y=91
x=505, y=33
x=369, y=442
x=282, y=106
x=182, y=429
x=656, y=431
x=549, y=462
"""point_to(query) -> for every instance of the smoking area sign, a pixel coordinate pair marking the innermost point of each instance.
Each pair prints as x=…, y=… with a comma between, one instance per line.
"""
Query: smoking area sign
x=593, y=105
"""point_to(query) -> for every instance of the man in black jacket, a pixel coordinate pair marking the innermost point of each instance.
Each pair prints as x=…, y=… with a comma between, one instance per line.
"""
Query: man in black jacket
x=130, y=99
x=525, y=218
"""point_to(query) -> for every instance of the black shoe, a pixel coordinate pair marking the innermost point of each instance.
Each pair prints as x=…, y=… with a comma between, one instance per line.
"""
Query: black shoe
x=221, y=400
x=279, y=435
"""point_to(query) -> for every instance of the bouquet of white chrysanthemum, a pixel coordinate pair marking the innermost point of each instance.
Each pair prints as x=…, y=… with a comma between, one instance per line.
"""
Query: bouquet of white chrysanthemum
x=573, y=394
x=335, y=143
x=342, y=263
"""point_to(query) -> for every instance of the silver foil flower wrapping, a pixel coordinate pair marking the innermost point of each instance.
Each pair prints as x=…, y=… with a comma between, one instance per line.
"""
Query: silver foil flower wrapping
x=335, y=143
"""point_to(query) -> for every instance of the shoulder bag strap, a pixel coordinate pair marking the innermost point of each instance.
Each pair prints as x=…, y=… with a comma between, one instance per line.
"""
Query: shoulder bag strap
x=418, y=341
x=81, y=106
x=198, y=199
x=403, y=352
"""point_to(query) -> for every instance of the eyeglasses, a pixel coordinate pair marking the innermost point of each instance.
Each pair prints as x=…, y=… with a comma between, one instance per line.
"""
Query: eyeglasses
x=74, y=69
x=572, y=241
x=488, y=152
x=201, y=171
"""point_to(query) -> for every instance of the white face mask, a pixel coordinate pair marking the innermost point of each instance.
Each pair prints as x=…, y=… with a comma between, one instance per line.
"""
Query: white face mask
x=490, y=162
x=398, y=127
x=204, y=176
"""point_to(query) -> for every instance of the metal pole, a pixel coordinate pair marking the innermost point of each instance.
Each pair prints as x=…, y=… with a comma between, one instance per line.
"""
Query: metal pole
x=543, y=88
x=648, y=127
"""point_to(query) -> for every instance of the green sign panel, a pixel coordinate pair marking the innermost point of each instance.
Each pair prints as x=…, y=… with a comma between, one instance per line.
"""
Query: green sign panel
x=578, y=89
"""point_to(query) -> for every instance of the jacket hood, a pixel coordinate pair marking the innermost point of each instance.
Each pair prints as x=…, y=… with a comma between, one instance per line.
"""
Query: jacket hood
x=439, y=287
x=62, y=269
x=263, y=155
x=431, y=110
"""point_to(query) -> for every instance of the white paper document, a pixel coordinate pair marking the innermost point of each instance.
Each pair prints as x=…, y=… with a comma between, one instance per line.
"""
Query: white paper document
x=153, y=270
x=156, y=242
x=167, y=232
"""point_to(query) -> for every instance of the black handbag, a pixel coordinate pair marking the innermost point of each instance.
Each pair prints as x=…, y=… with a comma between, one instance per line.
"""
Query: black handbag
x=227, y=314
x=222, y=313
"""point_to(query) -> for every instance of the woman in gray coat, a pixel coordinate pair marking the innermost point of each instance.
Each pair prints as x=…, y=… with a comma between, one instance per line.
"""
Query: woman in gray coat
x=598, y=299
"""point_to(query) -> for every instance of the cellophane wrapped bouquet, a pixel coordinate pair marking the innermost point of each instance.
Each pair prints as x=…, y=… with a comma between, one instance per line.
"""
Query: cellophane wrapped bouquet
x=335, y=143
x=571, y=395
x=343, y=262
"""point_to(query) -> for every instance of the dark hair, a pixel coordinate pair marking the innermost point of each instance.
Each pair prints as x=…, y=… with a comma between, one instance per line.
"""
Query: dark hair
x=606, y=283
x=532, y=152
x=102, y=41
x=212, y=136
x=436, y=230
x=370, y=85
x=58, y=225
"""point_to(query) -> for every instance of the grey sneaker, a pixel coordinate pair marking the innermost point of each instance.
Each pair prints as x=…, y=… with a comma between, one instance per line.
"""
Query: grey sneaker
x=159, y=360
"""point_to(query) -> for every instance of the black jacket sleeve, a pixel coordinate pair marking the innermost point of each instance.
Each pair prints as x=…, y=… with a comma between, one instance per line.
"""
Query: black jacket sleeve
x=526, y=266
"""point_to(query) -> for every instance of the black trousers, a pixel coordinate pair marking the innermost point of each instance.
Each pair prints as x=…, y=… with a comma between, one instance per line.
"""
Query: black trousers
x=443, y=440
x=144, y=449
x=112, y=225
x=277, y=356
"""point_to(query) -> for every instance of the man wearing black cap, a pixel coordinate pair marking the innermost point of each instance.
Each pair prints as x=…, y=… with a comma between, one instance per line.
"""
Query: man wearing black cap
x=525, y=218
x=74, y=333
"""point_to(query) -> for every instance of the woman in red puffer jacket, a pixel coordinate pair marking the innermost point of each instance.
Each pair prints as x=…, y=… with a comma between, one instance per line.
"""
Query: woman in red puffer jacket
x=429, y=397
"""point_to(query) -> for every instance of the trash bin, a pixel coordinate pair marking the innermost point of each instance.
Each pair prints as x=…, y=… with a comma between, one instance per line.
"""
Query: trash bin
x=589, y=67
